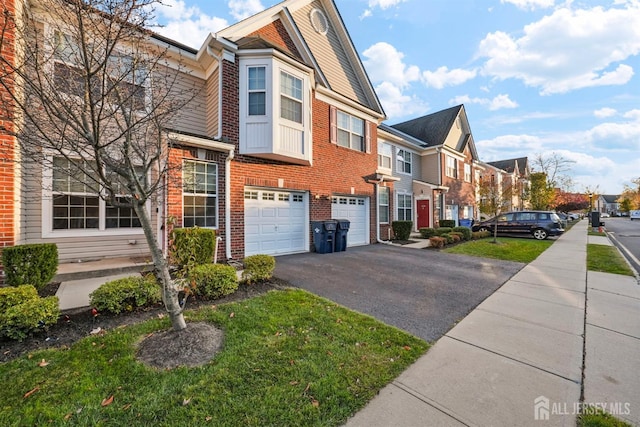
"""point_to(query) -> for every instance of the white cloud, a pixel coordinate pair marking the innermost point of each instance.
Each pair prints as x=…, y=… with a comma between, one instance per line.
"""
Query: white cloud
x=397, y=104
x=603, y=113
x=384, y=4
x=530, y=4
x=444, y=77
x=177, y=16
x=241, y=9
x=568, y=50
x=385, y=63
x=497, y=103
x=633, y=115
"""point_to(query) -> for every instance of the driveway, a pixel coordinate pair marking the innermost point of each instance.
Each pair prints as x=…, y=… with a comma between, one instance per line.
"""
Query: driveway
x=424, y=292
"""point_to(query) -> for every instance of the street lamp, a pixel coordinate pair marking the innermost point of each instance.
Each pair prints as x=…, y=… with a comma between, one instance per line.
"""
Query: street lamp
x=590, y=203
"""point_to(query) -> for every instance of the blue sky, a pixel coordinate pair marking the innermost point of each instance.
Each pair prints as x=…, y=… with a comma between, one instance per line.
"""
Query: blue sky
x=535, y=76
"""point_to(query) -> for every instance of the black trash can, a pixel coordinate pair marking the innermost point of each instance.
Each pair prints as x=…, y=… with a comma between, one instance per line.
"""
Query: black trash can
x=324, y=233
x=341, y=234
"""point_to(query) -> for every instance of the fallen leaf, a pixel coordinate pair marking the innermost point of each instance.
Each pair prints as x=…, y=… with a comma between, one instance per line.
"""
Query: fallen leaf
x=29, y=393
x=315, y=403
x=160, y=315
x=329, y=353
x=208, y=418
x=69, y=415
x=185, y=402
x=7, y=352
x=127, y=406
x=292, y=362
x=294, y=383
x=95, y=331
x=232, y=314
x=307, y=388
x=108, y=401
x=43, y=363
x=406, y=347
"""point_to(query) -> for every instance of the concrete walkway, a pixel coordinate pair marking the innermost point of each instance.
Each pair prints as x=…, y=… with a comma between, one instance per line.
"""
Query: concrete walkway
x=517, y=359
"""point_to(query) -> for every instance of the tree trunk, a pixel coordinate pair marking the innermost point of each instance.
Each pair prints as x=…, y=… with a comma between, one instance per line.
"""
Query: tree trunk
x=170, y=292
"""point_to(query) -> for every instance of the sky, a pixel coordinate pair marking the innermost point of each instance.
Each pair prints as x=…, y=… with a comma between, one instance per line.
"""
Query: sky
x=536, y=77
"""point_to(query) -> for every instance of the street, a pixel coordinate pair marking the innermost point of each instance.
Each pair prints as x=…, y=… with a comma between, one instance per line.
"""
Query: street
x=626, y=235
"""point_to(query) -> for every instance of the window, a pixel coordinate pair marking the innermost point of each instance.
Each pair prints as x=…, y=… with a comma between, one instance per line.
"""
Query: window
x=384, y=155
x=383, y=203
x=404, y=207
x=350, y=131
x=452, y=167
x=290, y=97
x=404, y=161
x=78, y=207
x=467, y=172
x=468, y=212
x=200, y=194
x=257, y=91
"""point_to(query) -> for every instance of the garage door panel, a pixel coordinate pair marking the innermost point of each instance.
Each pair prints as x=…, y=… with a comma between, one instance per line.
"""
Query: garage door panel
x=275, y=222
x=356, y=211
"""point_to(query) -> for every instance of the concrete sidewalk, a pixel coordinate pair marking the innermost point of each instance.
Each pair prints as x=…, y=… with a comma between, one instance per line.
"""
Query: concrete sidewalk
x=517, y=359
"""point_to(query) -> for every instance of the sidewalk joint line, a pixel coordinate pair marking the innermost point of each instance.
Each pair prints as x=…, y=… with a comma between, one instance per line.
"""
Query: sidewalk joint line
x=614, y=293
x=540, y=299
x=515, y=360
x=435, y=405
x=614, y=331
x=526, y=321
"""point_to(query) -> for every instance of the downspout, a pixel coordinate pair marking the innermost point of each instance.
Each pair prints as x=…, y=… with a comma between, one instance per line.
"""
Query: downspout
x=227, y=203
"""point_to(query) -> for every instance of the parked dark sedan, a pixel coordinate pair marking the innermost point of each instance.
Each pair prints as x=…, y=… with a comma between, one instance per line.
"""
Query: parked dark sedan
x=539, y=224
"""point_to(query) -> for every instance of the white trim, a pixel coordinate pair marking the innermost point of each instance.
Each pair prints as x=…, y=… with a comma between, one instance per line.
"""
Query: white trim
x=198, y=142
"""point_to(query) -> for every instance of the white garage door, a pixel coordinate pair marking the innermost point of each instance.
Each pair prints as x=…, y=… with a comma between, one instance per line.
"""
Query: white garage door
x=275, y=222
x=355, y=209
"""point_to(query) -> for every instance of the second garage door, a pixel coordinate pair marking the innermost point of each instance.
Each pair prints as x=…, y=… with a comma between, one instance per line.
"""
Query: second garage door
x=275, y=222
x=355, y=209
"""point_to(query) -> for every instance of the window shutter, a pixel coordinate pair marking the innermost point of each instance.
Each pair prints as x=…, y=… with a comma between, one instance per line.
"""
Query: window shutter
x=367, y=136
x=333, y=124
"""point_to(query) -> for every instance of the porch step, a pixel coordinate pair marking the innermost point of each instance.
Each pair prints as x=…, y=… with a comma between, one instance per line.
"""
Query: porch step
x=100, y=268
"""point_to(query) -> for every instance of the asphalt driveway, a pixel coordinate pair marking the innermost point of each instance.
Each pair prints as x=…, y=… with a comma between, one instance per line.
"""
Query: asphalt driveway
x=424, y=292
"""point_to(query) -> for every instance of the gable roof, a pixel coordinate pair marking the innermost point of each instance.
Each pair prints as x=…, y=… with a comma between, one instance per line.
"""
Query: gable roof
x=510, y=165
x=610, y=198
x=406, y=138
x=331, y=53
x=431, y=129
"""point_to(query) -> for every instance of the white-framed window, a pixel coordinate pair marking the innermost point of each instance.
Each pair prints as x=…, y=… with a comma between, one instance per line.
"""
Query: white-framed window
x=467, y=172
x=124, y=76
x=403, y=159
x=383, y=204
x=199, y=194
x=76, y=207
x=404, y=207
x=257, y=90
x=384, y=155
x=452, y=167
x=468, y=212
x=290, y=97
x=350, y=131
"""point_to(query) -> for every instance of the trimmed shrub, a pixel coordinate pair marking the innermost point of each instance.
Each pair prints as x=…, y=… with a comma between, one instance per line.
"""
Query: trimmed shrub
x=443, y=230
x=437, y=242
x=193, y=246
x=465, y=231
x=257, y=268
x=12, y=296
x=480, y=235
x=447, y=237
x=427, y=232
x=33, y=264
x=19, y=321
x=213, y=280
x=402, y=229
x=457, y=237
x=126, y=294
x=450, y=223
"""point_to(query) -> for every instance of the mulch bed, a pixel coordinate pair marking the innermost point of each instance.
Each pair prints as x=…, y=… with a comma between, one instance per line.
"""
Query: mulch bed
x=77, y=324
x=403, y=242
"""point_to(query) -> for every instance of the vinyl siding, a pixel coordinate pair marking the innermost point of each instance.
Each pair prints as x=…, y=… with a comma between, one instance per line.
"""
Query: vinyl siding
x=212, y=97
x=429, y=166
x=192, y=118
x=331, y=56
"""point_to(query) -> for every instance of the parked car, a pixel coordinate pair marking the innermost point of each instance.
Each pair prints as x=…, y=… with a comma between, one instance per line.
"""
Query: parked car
x=573, y=216
x=605, y=215
x=539, y=224
x=635, y=214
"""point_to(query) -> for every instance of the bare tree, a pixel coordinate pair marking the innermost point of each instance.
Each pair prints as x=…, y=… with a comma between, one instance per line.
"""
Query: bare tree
x=495, y=197
x=556, y=169
x=90, y=95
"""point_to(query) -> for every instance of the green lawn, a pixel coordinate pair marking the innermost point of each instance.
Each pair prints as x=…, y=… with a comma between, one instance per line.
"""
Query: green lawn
x=606, y=259
x=509, y=249
x=289, y=358
x=597, y=418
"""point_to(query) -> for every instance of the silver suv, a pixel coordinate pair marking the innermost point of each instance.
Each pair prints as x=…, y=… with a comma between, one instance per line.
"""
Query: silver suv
x=539, y=224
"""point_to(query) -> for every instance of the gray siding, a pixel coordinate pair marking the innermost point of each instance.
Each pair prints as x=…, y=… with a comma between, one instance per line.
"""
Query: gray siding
x=191, y=118
x=213, y=105
x=331, y=56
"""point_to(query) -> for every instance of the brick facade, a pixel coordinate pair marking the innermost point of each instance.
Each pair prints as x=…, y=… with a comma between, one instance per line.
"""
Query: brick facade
x=8, y=143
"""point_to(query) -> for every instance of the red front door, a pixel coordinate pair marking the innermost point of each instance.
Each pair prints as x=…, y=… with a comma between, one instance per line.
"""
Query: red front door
x=423, y=213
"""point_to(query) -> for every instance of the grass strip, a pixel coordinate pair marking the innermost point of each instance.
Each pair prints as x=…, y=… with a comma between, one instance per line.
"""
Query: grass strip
x=606, y=259
x=506, y=248
x=290, y=358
